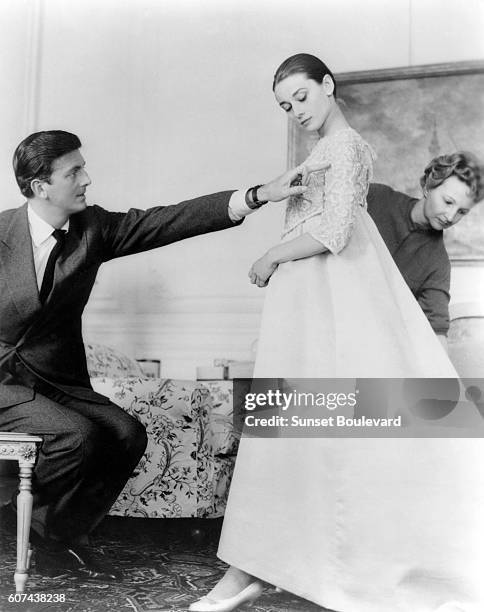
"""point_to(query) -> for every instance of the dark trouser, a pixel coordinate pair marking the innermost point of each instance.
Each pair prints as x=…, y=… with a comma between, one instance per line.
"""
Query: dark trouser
x=89, y=451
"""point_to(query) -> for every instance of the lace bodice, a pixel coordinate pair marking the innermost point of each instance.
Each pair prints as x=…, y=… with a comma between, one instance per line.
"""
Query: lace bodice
x=332, y=196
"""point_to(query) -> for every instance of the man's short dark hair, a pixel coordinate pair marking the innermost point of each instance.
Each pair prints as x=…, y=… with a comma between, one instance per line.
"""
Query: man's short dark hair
x=34, y=156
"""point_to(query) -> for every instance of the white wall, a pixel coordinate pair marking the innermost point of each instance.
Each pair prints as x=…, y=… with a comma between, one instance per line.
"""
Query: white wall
x=172, y=99
x=18, y=44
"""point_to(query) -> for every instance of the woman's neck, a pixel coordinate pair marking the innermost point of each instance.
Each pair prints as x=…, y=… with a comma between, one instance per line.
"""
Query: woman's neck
x=335, y=122
x=417, y=214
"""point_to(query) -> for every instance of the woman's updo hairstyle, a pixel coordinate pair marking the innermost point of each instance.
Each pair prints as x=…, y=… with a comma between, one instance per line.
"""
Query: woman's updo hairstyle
x=304, y=63
x=463, y=165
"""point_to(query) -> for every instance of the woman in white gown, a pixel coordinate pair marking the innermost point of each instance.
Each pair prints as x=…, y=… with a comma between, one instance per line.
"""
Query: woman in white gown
x=354, y=525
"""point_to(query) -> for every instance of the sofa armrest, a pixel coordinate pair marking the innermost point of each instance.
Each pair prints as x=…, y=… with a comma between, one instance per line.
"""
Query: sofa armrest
x=225, y=439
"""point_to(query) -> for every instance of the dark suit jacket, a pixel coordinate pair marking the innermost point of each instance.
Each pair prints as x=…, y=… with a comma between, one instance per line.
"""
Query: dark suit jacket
x=45, y=342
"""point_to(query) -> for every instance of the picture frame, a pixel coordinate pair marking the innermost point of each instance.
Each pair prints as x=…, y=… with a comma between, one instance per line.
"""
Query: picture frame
x=410, y=115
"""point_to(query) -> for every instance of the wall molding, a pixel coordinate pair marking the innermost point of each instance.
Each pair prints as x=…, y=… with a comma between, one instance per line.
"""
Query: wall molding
x=186, y=304
x=183, y=338
x=33, y=66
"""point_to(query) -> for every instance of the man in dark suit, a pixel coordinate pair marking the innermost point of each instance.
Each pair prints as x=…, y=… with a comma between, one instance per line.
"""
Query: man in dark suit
x=50, y=251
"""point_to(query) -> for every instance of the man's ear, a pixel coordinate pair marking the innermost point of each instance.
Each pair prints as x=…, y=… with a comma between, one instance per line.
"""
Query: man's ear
x=328, y=85
x=38, y=188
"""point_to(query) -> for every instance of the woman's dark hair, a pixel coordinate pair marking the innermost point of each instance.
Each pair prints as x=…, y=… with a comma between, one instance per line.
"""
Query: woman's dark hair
x=34, y=156
x=304, y=63
x=463, y=165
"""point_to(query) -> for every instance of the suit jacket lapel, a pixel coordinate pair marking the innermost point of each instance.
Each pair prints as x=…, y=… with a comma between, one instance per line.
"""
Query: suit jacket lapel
x=17, y=260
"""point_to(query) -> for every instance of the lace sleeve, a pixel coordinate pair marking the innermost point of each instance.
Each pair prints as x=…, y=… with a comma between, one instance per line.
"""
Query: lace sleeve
x=345, y=187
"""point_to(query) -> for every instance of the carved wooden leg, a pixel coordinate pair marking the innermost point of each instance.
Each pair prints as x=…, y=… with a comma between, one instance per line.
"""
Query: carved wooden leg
x=24, y=516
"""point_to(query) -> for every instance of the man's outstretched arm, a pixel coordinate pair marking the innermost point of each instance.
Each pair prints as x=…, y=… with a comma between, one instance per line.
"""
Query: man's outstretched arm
x=141, y=230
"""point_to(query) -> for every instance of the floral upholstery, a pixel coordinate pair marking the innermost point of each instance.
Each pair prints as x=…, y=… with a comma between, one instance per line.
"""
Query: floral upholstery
x=226, y=442
x=222, y=477
x=187, y=467
x=106, y=361
x=174, y=478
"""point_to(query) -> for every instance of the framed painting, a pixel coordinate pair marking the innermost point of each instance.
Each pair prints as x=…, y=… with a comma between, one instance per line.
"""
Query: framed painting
x=410, y=115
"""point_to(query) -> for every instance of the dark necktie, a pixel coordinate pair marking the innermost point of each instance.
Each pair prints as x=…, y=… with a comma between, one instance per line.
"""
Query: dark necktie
x=48, y=280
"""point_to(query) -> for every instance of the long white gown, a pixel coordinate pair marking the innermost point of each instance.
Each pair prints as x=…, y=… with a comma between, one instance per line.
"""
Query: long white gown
x=361, y=524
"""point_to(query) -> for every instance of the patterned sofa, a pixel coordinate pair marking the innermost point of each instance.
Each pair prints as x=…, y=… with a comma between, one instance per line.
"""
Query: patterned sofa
x=188, y=463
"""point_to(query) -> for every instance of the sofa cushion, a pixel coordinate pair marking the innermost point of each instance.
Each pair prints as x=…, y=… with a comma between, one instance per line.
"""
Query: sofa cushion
x=106, y=361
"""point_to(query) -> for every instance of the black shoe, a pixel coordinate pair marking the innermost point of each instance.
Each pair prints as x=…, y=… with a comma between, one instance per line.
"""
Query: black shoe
x=74, y=561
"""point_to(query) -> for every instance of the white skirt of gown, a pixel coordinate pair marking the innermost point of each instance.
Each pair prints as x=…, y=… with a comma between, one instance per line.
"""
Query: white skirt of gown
x=356, y=525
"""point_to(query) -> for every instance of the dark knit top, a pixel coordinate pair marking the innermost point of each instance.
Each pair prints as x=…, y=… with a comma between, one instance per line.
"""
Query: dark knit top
x=419, y=253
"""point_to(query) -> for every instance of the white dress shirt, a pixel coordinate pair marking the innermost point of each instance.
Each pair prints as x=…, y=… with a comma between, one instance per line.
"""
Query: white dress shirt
x=238, y=209
x=42, y=242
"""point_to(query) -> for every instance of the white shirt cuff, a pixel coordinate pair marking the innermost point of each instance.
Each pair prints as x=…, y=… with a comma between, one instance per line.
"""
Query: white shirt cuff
x=238, y=209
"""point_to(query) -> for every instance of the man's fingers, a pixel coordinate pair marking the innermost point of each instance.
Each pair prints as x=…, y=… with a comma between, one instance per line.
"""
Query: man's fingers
x=295, y=176
x=303, y=173
x=295, y=172
x=297, y=190
x=317, y=167
x=298, y=177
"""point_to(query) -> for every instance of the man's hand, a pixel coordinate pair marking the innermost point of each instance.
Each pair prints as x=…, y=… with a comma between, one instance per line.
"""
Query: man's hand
x=262, y=270
x=293, y=182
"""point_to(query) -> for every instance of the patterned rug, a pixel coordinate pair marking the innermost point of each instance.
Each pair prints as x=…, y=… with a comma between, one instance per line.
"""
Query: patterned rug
x=166, y=564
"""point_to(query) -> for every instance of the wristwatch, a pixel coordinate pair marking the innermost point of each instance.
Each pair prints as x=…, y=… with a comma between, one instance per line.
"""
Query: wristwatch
x=251, y=198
